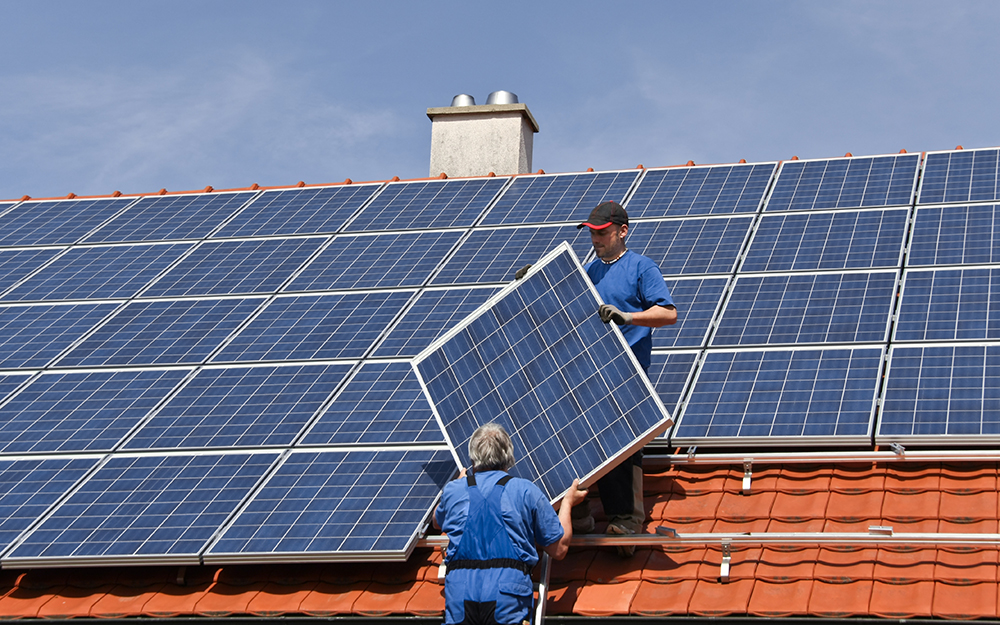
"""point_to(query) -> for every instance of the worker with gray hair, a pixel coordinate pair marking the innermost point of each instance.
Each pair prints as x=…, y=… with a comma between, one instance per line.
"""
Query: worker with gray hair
x=493, y=522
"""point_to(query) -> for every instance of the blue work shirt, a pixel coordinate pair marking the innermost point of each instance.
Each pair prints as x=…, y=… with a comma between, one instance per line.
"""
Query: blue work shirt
x=632, y=283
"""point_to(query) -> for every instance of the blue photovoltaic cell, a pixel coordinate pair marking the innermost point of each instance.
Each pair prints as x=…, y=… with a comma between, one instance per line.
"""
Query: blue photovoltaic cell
x=55, y=222
x=235, y=267
x=691, y=246
x=162, y=332
x=697, y=302
x=31, y=336
x=146, y=508
x=942, y=390
x=166, y=217
x=10, y=382
x=340, y=503
x=240, y=407
x=669, y=373
x=299, y=211
x=29, y=487
x=431, y=204
x=845, y=183
x=496, y=255
x=316, y=327
x=566, y=197
x=823, y=308
x=541, y=363
x=102, y=272
x=950, y=304
x=691, y=191
x=955, y=235
x=960, y=176
x=431, y=315
x=82, y=411
x=375, y=261
x=382, y=404
x=827, y=393
x=840, y=240
x=16, y=264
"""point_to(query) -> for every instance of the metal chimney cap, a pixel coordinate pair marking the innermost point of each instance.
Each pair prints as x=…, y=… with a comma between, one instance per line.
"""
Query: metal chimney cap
x=502, y=97
x=464, y=99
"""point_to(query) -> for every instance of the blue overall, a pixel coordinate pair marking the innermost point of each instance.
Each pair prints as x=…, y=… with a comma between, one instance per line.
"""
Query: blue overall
x=487, y=583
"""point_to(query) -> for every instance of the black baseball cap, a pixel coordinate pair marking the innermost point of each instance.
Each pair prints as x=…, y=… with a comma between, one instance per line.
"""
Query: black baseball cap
x=604, y=215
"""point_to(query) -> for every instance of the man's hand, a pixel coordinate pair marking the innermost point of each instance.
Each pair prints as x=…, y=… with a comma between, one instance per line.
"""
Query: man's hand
x=610, y=313
x=523, y=271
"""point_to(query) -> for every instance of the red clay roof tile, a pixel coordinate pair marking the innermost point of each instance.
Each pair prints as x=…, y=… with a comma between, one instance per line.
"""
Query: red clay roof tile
x=850, y=508
x=428, y=600
x=911, y=477
x=327, y=599
x=737, y=508
x=901, y=600
x=122, y=601
x=845, y=564
x=712, y=598
x=279, y=599
x=562, y=597
x=836, y=600
x=24, y=602
x=905, y=564
x=224, y=599
x=740, y=526
x=384, y=599
x=961, y=479
x=800, y=479
x=606, y=599
x=610, y=568
x=573, y=567
x=673, y=564
x=968, y=507
x=794, y=508
x=689, y=508
x=910, y=507
x=174, y=600
x=743, y=562
x=782, y=566
x=779, y=600
x=697, y=480
x=808, y=525
x=654, y=599
x=857, y=478
x=71, y=602
x=966, y=565
x=965, y=602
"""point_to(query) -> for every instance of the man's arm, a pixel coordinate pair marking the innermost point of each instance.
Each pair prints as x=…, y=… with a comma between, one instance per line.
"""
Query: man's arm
x=558, y=549
x=655, y=317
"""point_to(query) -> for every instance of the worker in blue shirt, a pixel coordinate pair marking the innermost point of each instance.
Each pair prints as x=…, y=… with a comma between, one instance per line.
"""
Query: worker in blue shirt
x=493, y=522
x=637, y=299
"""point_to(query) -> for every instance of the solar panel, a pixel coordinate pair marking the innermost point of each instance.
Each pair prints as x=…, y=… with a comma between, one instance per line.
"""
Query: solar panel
x=316, y=210
x=143, y=509
x=941, y=394
x=315, y=327
x=670, y=373
x=431, y=315
x=100, y=272
x=955, y=235
x=236, y=267
x=329, y=505
x=691, y=246
x=375, y=261
x=32, y=336
x=845, y=183
x=241, y=407
x=565, y=197
x=15, y=265
x=692, y=191
x=960, y=176
x=538, y=360
x=381, y=404
x=162, y=332
x=495, y=255
x=82, y=411
x=836, y=240
x=796, y=397
x=698, y=300
x=56, y=222
x=428, y=204
x=28, y=486
x=807, y=308
x=952, y=304
x=170, y=217
x=10, y=382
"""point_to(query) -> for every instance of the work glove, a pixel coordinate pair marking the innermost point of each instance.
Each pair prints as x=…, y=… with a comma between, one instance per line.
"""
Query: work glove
x=608, y=313
x=523, y=271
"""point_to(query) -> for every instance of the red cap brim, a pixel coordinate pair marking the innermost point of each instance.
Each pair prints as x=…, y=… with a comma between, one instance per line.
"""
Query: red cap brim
x=593, y=227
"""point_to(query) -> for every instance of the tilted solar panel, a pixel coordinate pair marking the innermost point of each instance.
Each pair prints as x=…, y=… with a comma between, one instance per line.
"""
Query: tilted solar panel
x=240, y=407
x=795, y=397
x=99, y=272
x=538, y=360
x=807, y=308
x=691, y=246
x=834, y=240
x=949, y=304
x=693, y=191
x=960, y=176
x=171, y=217
x=314, y=210
x=56, y=222
x=955, y=235
x=428, y=204
x=845, y=183
x=698, y=300
x=559, y=198
x=941, y=394
x=15, y=265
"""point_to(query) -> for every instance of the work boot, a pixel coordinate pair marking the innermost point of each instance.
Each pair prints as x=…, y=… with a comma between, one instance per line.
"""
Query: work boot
x=614, y=529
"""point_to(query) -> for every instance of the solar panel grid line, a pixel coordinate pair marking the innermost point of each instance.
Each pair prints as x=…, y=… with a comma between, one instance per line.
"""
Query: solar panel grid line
x=687, y=191
x=960, y=176
x=852, y=182
x=12, y=276
x=87, y=316
x=58, y=228
x=698, y=301
x=954, y=234
x=568, y=197
x=960, y=303
x=671, y=374
x=709, y=245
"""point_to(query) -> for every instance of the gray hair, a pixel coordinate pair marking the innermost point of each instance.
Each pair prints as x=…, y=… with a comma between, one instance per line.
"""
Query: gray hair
x=491, y=449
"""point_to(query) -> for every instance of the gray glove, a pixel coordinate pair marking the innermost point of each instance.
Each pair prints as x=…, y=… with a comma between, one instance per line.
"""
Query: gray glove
x=523, y=271
x=609, y=313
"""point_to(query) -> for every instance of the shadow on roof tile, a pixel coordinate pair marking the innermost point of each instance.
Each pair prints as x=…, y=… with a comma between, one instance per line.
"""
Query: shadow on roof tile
x=574, y=566
x=610, y=568
x=606, y=599
x=965, y=479
x=654, y=599
x=808, y=525
x=901, y=600
x=701, y=479
x=749, y=525
x=959, y=565
x=947, y=526
x=348, y=572
x=764, y=479
x=712, y=598
x=689, y=508
x=562, y=597
x=779, y=600
x=902, y=564
x=332, y=599
x=965, y=602
x=800, y=479
x=275, y=599
x=738, y=508
x=829, y=600
x=673, y=564
x=845, y=564
x=911, y=477
x=857, y=478
x=428, y=600
x=782, y=566
x=794, y=508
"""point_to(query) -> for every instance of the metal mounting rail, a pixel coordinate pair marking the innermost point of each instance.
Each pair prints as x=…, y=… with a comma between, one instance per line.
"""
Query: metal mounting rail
x=897, y=454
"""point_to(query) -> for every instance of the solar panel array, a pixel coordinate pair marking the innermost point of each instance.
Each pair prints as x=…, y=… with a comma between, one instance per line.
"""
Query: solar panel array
x=227, y=377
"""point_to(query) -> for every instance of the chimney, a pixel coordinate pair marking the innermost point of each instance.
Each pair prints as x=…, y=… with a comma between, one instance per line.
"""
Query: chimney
x=471, y=140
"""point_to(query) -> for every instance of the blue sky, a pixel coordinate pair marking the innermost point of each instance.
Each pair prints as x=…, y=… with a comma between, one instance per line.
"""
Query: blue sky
x=108, y=95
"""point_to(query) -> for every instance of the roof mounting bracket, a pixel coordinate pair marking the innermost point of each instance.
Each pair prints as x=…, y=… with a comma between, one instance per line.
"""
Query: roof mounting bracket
x=747, y=474
x=727, y=558
x=442, y=571
x=897, y=449
x=880, y=530
x=692, y=450
x=663, y=530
